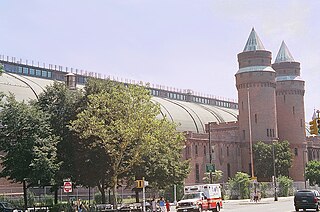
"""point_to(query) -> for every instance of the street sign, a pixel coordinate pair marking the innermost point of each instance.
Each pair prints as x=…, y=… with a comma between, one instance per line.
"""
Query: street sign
x=67, y=187
x=210, y=167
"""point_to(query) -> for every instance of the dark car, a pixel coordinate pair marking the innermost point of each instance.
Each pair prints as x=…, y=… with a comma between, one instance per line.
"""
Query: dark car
x=307, y=199
x=6, y=207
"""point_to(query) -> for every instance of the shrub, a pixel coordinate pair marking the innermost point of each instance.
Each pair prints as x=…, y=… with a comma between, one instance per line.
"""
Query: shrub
x=285, y=185
x=239, y=186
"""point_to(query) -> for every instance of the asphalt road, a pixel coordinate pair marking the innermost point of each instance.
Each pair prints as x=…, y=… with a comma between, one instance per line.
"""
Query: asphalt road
x=284, y=204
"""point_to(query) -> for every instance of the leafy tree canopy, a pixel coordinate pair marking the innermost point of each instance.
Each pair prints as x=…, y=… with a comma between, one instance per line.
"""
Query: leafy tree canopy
x=216, y=176
x=1, y=69
x=263, y=159
x=27, y=142
x=121, y=120
x=313, y=172
x=62, y=105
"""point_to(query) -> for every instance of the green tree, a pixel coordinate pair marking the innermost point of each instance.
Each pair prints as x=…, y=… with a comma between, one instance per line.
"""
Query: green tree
x=239, y=185
x=62, y=105
x=216, y=176
x=121, y=120
x=313, y=172
x=1, y=69
x=264, y=152
x=28, y=144
x=161, y=163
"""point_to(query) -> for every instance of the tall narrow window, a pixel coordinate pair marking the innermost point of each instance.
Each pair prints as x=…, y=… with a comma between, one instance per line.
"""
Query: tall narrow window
x=293, y=112
x=204, y=150
x=228, y=170
x=267, y=132
x=255, y=118
x=227, y=151
x=242, y=105
x=296, y=151
x=196, y=150
x=197, y=173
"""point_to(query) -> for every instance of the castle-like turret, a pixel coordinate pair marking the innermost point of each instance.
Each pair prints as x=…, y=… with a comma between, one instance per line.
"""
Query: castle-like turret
x=290, y=108
x=255, y=82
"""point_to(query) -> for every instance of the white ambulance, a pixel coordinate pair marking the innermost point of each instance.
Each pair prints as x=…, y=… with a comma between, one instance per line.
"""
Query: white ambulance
x=201, y=197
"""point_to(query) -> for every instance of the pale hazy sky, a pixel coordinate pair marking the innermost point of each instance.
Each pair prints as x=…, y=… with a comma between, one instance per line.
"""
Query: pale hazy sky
x=186, y=44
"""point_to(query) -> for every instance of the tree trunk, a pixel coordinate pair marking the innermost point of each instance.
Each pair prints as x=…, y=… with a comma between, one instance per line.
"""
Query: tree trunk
x=25, y=197
x=56, y=196
x=115, y=198
x=102, y=191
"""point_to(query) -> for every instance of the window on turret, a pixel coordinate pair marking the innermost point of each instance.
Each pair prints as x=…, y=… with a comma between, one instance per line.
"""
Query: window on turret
x=255, y=118
x=204, y=150
x=293, y=112
x=227, y=151
x=243, y=134
x=296, y=151
x=267, y=132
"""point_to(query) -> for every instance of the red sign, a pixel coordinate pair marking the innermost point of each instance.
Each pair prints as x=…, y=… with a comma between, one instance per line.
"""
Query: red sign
x=67, y=187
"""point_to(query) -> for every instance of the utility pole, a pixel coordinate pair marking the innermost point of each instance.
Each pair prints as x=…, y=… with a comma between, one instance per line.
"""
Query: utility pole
x=210, y=153
x=274, y=173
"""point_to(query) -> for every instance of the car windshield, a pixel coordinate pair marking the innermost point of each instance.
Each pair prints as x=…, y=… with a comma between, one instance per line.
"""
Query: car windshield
x=191, y=196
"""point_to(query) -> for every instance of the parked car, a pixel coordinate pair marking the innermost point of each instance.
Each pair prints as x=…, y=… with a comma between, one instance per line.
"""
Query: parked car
x=306, y=199
x=6, y=207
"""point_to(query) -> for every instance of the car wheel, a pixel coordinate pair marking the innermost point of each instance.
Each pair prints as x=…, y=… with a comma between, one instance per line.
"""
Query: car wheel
x=297, y=209
x=317, y=208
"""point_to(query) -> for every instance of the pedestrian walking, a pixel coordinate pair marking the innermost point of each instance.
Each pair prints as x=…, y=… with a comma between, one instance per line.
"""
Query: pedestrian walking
x=154, y=205
x=168, y=205
x=162, y=204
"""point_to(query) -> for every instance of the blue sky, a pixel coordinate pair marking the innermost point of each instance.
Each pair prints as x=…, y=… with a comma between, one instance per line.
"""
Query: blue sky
x=185, y=44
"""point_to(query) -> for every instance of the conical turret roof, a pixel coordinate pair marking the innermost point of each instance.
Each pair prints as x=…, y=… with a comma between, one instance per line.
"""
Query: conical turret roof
x=284, y=54
x=314, y=116
x=254, y=43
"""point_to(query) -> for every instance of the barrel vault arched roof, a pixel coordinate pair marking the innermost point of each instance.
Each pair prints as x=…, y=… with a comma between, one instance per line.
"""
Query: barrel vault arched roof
x=188, y=115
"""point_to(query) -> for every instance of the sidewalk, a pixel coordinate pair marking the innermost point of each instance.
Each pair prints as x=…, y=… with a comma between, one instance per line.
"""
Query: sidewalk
x=262, y=201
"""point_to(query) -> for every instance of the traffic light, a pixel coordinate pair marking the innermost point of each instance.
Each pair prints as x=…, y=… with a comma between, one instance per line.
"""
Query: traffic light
x=318, y=125
x=314, y=126
x=139, y=184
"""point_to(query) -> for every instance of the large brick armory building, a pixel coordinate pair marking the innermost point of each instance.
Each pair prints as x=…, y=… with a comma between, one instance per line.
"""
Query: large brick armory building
x=270, y=107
